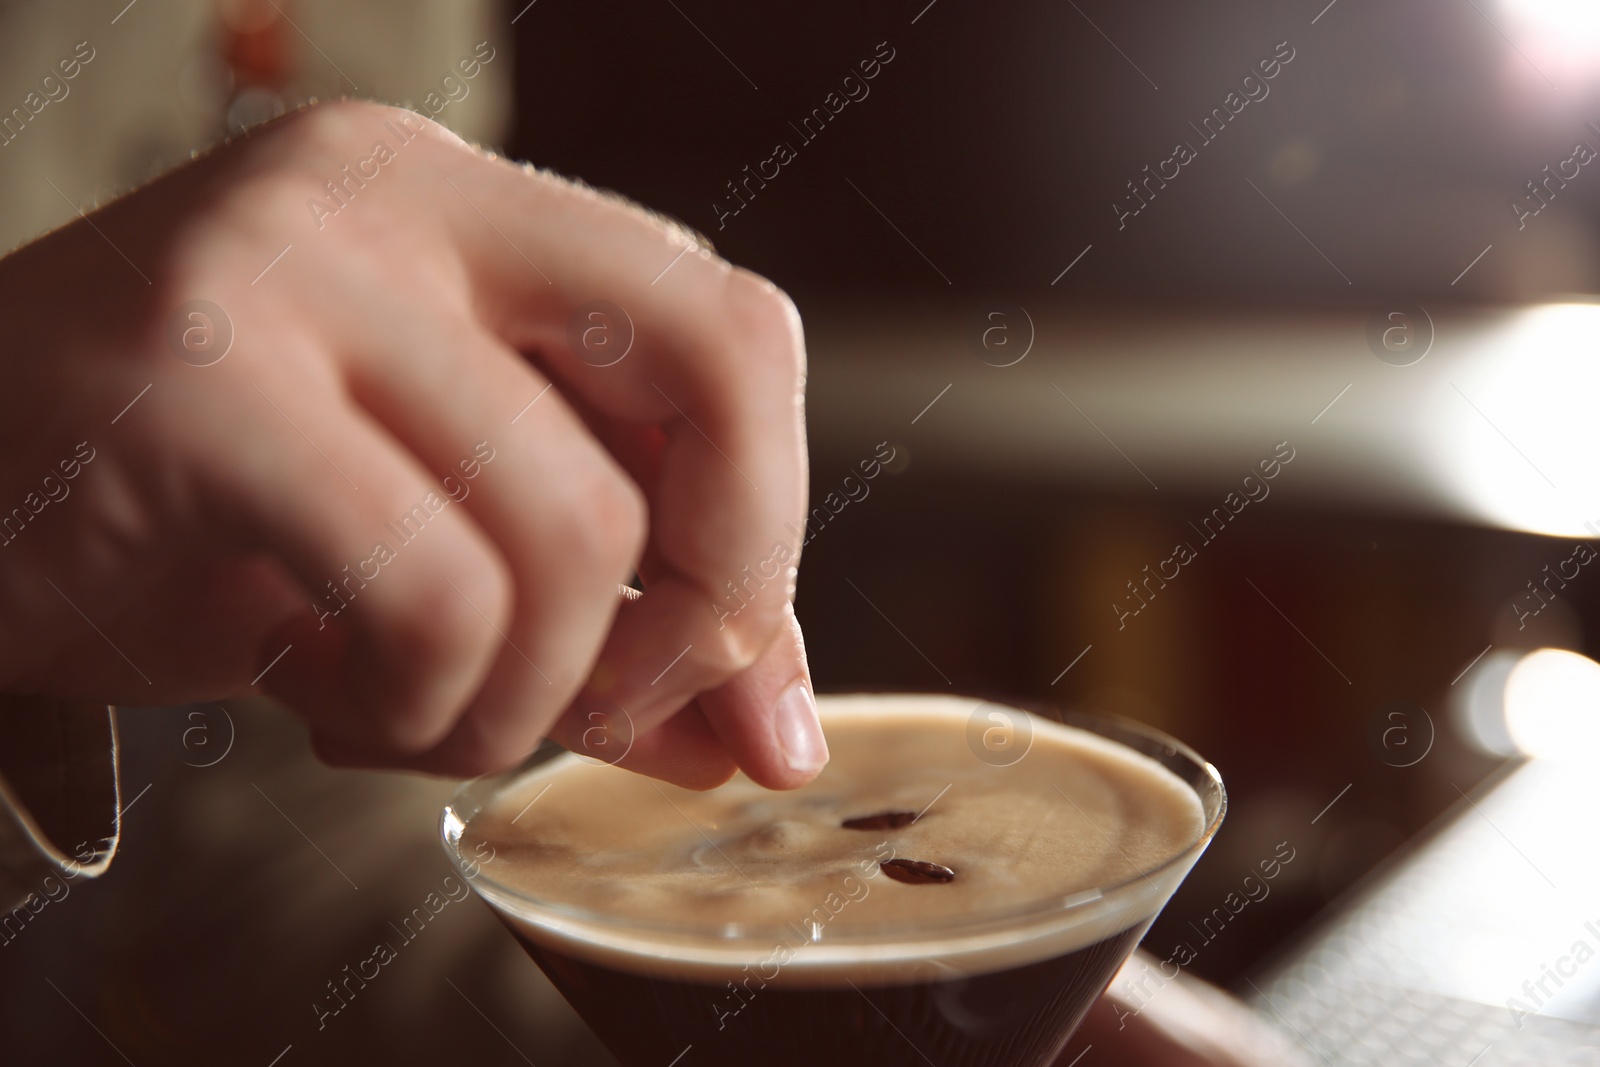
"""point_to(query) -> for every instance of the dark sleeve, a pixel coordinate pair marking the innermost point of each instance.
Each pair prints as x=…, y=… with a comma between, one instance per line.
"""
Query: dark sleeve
x=59, y=807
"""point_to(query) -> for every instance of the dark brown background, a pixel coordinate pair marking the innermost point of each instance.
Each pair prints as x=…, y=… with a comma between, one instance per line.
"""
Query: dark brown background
x=996, y=141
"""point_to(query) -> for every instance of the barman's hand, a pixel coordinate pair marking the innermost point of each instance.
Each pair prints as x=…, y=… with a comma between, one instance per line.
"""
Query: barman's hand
x=331, y=413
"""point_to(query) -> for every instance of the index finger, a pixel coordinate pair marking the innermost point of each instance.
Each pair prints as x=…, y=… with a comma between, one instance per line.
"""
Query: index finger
x=710, y=356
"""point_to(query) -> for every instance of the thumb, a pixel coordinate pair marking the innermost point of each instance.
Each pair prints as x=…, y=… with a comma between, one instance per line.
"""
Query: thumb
x=766, y=716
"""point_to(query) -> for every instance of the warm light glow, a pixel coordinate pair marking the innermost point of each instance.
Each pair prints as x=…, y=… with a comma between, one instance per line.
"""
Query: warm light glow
x=1558, y=37
x=1480, y=704
x=1552, y=705
x=1568, y=19
x=1511, y=432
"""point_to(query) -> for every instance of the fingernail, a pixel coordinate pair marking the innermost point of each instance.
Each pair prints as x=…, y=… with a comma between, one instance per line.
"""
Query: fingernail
x=800, y=732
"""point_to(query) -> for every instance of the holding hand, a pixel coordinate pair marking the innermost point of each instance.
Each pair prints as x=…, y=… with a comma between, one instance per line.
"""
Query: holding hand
x=352, y=444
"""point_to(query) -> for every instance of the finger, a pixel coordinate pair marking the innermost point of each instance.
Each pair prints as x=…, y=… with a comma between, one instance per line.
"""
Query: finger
x=716, y=365
x=392, y=638
x=685, y=750
x=566, y=519
x=766, y=716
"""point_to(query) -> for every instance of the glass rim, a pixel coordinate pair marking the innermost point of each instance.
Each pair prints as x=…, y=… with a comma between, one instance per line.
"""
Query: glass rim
x=1056, y=908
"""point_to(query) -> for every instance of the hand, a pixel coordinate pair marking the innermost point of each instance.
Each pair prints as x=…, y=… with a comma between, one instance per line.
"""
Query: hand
x=1179, y=1022
x=399, y=498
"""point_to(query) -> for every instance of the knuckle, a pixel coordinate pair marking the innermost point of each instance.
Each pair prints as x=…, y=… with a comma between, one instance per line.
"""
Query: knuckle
x=311, y=152
x=608, y=518
x=734, y=650
x=336, y=123
x=439, y=639
x=454, y=619
x=329, y=151
x=739, y=643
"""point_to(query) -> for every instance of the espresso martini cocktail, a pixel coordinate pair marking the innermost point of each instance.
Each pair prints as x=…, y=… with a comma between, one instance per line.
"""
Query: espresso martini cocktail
x=956, y=887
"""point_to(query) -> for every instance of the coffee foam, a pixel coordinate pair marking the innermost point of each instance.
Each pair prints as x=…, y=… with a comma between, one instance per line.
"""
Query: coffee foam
x=1048, y=853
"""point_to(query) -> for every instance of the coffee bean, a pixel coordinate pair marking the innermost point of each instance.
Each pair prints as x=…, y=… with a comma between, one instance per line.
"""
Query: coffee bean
x=884, y=820
x=917, y=872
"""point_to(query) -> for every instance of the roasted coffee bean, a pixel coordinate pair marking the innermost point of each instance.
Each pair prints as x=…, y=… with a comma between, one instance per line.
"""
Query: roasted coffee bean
x=884, y=820
x=917, y=872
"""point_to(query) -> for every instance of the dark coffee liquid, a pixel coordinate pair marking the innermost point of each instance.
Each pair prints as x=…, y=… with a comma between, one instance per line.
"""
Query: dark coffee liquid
x=920, y=903
x=1018, y=1017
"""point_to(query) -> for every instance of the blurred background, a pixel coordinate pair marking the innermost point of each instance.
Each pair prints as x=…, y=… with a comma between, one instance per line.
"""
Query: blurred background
x=1084, y=347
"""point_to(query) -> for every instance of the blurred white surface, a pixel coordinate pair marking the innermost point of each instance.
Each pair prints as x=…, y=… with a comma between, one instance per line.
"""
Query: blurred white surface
x=1490, y=425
